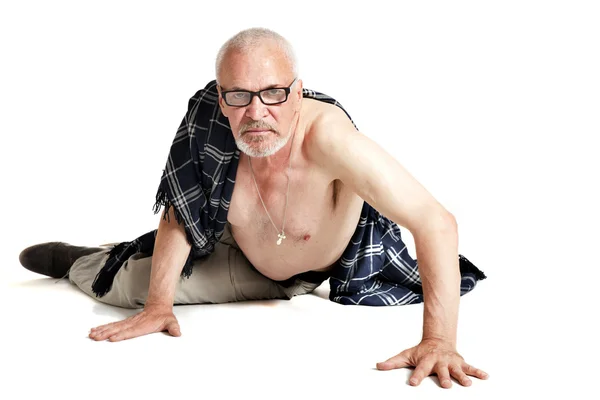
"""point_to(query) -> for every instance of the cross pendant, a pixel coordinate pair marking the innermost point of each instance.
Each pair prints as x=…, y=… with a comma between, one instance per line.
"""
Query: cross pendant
x=281, y=236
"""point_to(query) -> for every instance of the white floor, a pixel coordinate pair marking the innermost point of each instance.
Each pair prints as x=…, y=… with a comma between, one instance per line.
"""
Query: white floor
x=308, y=347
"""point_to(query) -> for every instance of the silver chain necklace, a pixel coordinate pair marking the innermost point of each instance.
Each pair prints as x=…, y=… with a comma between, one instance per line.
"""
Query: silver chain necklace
x=280, y=235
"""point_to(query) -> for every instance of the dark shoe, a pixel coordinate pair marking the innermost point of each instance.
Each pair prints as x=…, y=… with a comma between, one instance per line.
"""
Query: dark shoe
x=54, y=259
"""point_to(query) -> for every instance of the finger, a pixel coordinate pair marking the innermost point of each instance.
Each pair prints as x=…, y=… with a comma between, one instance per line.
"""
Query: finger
x=105, y=328
x=458, y=374
x=138, y=329
x=102, y=328
x=109, y=325
x=173, y=329
x=132, y=332
x=106, y=333
x=470, y=370
x=443, y=376
x=423, y=369
x=399, y=361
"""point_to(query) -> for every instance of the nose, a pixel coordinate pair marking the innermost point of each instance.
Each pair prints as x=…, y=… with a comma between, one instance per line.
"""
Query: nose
x=256, y=110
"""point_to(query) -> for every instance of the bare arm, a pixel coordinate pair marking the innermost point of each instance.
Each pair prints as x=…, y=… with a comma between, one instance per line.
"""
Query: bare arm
x=171, y=250
x=437, y=253
x=382, y=181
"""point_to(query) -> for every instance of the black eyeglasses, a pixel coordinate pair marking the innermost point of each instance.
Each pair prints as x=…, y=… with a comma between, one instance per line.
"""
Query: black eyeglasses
x=241, y=98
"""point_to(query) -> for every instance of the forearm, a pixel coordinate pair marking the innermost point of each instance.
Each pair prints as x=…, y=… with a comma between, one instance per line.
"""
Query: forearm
x=171, y=250
x=437, y=255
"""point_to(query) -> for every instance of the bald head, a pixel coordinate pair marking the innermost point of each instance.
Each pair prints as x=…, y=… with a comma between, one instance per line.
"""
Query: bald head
x=257, y=42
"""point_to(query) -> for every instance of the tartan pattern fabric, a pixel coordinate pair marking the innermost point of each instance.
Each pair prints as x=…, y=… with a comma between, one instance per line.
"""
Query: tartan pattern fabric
x=198, y=182
x=376, y=268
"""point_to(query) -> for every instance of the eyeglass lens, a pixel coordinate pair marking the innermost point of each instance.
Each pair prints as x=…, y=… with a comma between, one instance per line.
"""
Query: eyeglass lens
x=269, y=96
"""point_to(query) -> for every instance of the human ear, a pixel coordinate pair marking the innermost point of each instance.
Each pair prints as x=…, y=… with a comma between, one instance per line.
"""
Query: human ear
x=300, y=87
x=222, y=104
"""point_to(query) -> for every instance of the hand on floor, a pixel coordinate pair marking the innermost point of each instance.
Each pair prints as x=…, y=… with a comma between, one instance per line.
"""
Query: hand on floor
x=150, y=320
x=433, y=356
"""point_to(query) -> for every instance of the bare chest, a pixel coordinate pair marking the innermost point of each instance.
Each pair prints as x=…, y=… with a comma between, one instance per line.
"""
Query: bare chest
x=315, y=221
x=265, y=208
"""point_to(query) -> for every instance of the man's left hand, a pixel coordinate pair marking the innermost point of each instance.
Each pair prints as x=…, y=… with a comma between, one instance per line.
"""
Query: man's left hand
x=434, y=356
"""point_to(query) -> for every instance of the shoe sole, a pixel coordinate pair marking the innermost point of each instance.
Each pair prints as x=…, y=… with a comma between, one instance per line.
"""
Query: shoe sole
x=109, y=244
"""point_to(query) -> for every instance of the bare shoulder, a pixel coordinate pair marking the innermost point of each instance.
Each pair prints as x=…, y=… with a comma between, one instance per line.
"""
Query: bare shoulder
x=328, y=125
x=323, y=115
x=338, y=148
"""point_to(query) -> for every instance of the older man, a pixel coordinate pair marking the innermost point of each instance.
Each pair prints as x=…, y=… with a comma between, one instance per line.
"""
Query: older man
x=269, y=190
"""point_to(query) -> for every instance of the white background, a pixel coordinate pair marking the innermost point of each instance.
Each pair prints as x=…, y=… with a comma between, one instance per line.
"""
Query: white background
x=493, y=106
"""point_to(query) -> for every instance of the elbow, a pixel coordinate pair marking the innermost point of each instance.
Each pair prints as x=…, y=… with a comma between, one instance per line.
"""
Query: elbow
x=439, y=221
x=447, y=222
x=450, y=220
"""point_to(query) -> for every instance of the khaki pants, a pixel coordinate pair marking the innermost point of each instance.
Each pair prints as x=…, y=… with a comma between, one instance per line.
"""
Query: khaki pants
x=224, y=276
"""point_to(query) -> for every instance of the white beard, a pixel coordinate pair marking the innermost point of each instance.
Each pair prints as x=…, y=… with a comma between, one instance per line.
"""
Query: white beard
x=261, y=147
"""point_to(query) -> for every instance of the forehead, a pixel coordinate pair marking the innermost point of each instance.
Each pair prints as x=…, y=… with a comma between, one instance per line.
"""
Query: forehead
x=255, y=70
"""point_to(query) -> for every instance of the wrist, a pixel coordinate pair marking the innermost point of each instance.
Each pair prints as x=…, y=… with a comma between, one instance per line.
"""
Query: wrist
x=439, y=341
x=155, y=304
x=440, y=323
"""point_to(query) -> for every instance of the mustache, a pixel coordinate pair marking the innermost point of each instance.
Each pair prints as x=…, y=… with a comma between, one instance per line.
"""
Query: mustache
x=257, y=125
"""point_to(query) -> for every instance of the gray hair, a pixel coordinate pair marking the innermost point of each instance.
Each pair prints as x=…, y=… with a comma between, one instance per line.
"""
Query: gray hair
x=249, y=39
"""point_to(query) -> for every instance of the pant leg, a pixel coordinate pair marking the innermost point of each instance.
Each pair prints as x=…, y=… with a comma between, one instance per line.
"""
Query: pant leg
x=224, y=276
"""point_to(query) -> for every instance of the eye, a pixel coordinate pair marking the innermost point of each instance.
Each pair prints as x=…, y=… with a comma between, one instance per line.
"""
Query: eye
x=239, y=95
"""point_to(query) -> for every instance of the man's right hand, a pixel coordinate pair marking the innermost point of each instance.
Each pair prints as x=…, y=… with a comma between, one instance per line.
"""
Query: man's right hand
x=152, y=319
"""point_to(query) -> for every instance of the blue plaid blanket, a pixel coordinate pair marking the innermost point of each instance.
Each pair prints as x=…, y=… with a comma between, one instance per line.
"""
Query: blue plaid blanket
x=198, y=182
